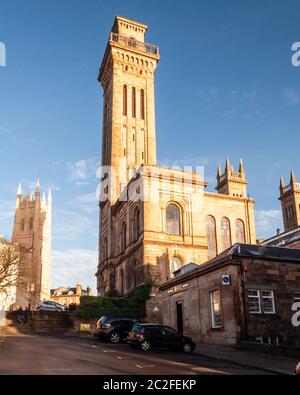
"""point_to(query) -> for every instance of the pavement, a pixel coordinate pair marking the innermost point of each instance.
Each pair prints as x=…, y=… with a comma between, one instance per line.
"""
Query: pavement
x=30, y=354
x=267, y=362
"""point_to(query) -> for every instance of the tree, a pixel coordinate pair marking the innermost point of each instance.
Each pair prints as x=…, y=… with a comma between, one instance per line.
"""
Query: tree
x=12, y=266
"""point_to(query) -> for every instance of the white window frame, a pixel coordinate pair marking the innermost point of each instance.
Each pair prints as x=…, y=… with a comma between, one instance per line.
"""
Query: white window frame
x=272, y=297
x=257, y=297
x=212, y=310
x=260, y=298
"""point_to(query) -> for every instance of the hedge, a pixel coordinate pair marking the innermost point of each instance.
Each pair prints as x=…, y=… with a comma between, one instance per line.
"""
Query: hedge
x=132, y=305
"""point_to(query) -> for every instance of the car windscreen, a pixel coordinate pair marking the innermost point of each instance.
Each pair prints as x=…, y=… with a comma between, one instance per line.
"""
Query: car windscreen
x=137, y=329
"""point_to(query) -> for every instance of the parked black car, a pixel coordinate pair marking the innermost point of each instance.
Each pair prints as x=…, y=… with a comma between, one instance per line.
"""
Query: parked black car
x=146, y=336
x=114, y=329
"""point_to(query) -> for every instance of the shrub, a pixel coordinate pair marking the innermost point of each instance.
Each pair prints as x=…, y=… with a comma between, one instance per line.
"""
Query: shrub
x=132, y=305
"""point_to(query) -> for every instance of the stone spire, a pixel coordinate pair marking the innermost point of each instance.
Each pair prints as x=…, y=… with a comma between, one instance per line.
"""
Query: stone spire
x=19, y=191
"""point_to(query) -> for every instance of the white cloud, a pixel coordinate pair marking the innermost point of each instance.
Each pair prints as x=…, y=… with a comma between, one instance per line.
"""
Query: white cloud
x=73, y=266
x=267, y=222
x=71, y=224
x=83, y=171
x=291, y=96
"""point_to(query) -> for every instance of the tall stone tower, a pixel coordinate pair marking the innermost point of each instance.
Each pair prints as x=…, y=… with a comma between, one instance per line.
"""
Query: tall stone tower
x=290, y=202
x=231, y=182
x=32, y=231
x=127, y=78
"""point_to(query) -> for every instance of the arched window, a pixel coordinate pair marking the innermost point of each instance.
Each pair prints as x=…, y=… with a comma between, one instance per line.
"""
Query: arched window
x=133, y=101
x=123, y=238
x=175, y=265
x=105, y=249
x=138, y=223
x=173, y=220
x=225, y=233
x=125, y=100
x=240, y=231
x=142, y=104
x=211, y=236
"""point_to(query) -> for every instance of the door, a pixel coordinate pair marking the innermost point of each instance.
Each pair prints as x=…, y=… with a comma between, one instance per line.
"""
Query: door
x=179, y=309
x=170, y=338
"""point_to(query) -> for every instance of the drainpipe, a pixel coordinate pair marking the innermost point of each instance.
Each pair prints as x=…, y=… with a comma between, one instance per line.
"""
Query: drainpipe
x=242, y=277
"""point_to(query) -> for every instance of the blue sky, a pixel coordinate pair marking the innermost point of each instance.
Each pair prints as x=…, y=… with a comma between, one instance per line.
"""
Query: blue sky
x=225, y=86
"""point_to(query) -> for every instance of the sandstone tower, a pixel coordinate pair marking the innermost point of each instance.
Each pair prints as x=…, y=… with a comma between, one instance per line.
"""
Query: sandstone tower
x=232, y=182
x=290, y=203
x=127, y=78
x=32, y=231
x=154, y=219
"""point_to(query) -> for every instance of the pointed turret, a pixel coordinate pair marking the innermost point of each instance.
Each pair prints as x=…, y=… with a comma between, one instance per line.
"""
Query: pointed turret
x=241, y=167
x=282, y=185
x=38, y=187
x=293, y=178
x=290, y=202
x=228, y=166
x=232, y=182
x=19, y=191
x=19, y=196
x=49, y=195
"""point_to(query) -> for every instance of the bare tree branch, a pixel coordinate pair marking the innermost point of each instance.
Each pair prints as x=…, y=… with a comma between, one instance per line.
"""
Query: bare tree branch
x=12, y=266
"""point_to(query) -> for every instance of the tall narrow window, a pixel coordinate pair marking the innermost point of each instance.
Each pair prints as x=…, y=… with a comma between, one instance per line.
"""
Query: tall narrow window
x=215, y=308
x=175, y=265
x=133, y=101
x=138, y=225
x=142, y=104
x=31, y=224
x=123, y=238
x=225, y=233
x=240, y=231
x=173, y=220
x=23, y=225
x=125, y=100
x=211, y=236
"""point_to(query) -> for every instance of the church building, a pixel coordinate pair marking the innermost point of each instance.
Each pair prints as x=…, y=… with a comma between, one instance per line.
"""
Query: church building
x=32, y=233
x=155, y=219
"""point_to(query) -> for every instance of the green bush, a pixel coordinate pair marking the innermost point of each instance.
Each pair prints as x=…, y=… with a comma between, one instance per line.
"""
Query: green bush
x=132, y=305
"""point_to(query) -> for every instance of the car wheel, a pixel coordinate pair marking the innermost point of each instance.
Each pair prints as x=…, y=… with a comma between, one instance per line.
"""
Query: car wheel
x=187, y=348
x=114, y=337
x=145, y=345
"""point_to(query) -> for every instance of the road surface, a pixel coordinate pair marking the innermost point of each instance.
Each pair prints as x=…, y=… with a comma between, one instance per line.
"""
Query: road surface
x=53, y=355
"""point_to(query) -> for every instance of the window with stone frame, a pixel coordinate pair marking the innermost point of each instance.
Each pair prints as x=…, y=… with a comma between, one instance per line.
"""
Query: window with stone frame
x=124, y=237
x=142, y=104
x=173, y=219
x=211, y=236
x=225, y=233
x=133, y=102
x=240, y=231
x=125, y=100
x=254, y=302
x=216, y=309
x=175, y=264
x=268, y=302
x=261, y=301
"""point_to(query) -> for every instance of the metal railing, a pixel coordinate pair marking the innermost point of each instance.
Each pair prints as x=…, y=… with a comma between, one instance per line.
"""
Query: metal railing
x=131, y=43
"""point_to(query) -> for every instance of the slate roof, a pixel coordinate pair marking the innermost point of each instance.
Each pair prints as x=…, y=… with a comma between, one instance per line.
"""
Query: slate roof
x=284, y=239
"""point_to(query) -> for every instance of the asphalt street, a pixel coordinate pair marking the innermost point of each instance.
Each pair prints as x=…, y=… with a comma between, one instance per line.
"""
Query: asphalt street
x=50, y=355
